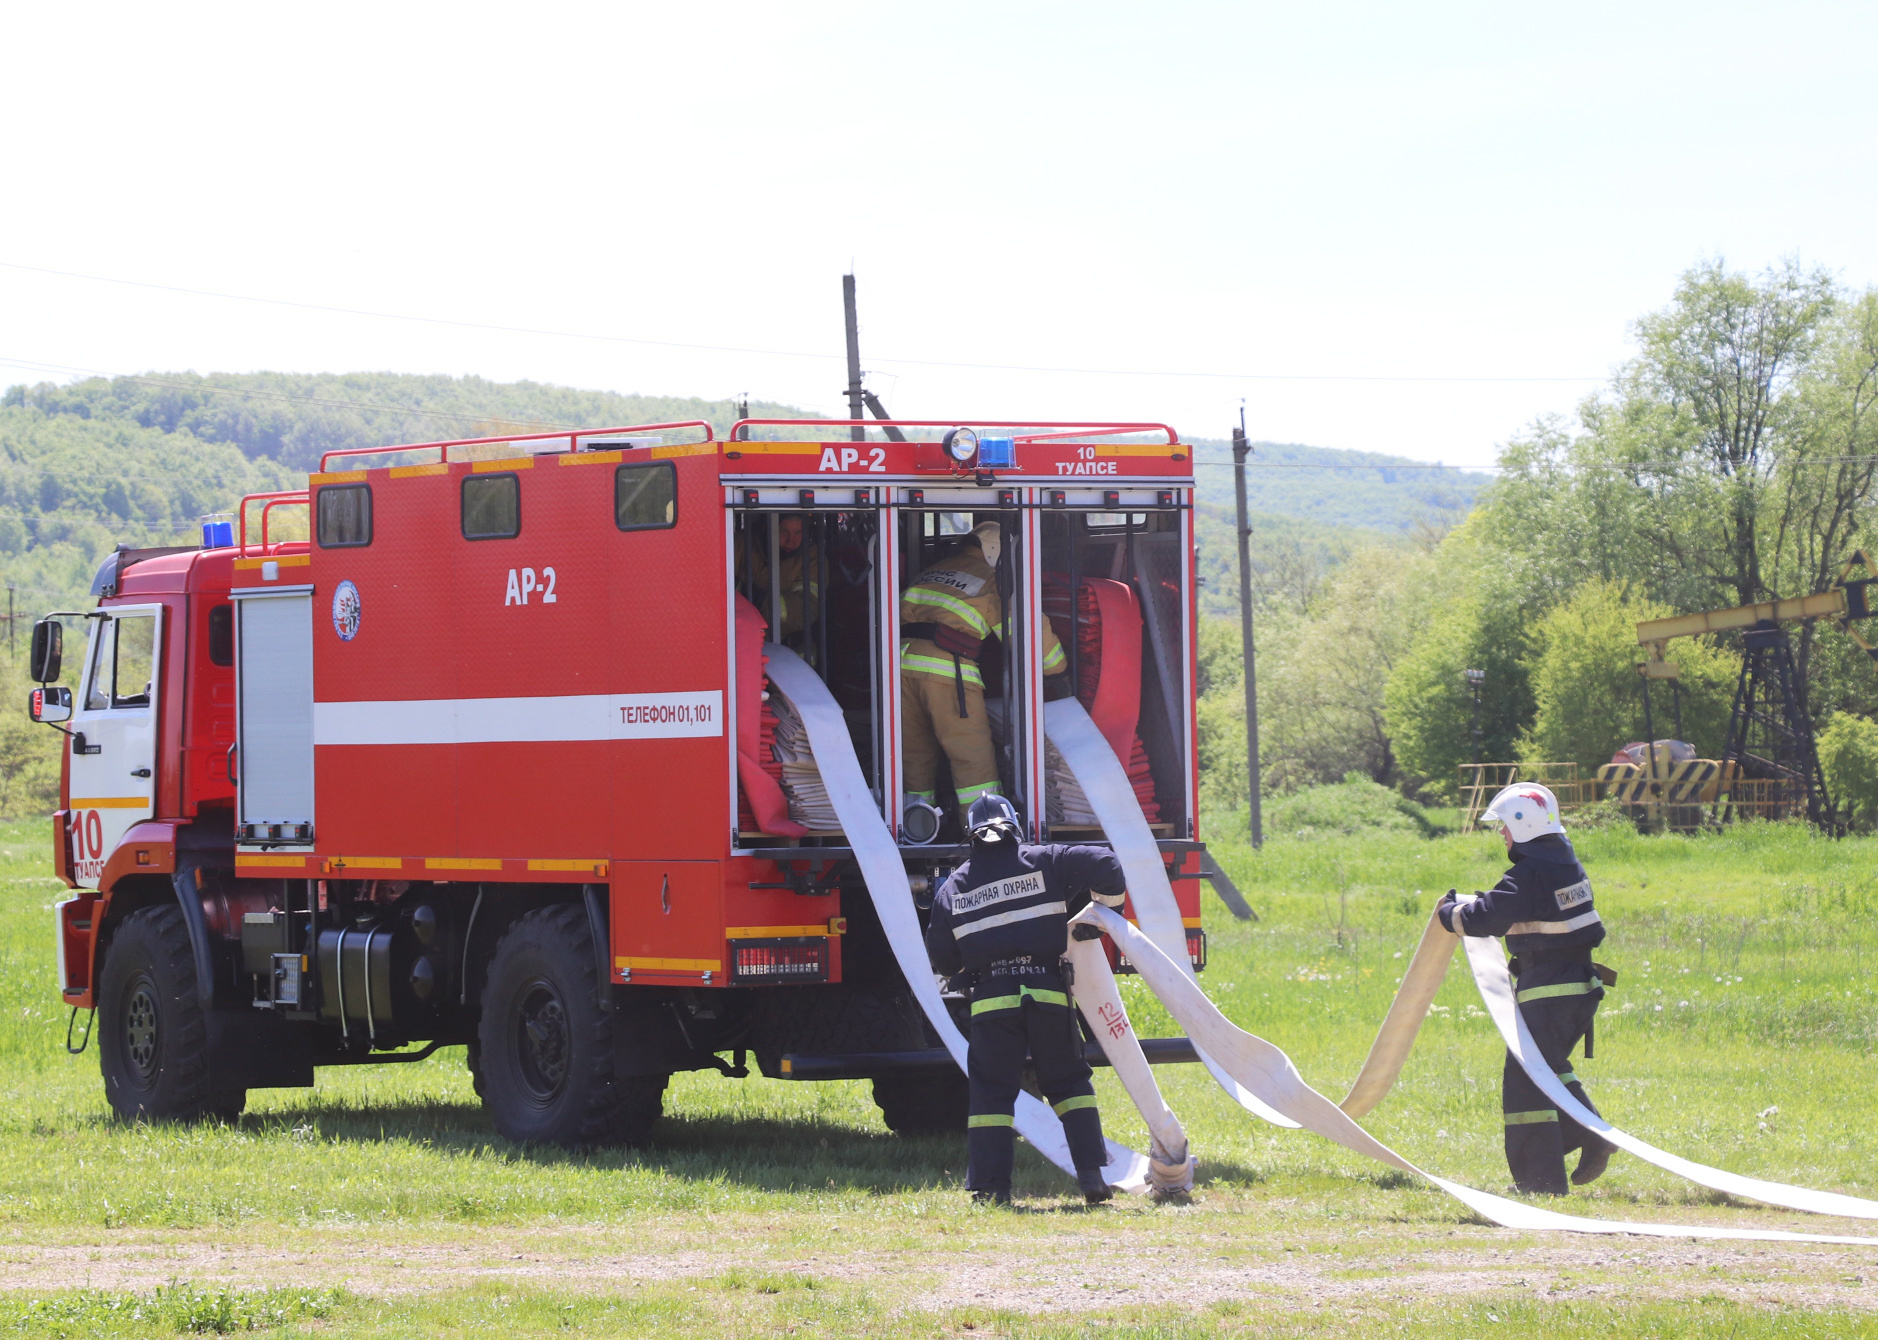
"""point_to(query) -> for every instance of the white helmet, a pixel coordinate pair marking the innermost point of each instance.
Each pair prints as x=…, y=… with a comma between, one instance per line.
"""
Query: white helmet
x=1527, y=809
x=990, y=537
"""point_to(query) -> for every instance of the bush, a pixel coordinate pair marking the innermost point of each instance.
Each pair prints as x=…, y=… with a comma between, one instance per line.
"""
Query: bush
x=1848, y=751
x=1354, y=805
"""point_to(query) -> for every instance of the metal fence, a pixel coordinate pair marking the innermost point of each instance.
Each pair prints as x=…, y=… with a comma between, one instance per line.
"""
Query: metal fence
x=1693, y=793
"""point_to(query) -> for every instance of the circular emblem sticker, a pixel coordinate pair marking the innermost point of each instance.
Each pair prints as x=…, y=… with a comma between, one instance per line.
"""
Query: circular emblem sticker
x=346, y=611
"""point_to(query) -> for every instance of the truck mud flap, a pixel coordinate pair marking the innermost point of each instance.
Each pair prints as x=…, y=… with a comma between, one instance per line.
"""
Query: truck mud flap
x=256, y=1049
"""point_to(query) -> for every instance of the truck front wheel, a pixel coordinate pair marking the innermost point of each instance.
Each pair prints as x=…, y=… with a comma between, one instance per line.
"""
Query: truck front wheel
x=153, y=1035
x=546, y=1048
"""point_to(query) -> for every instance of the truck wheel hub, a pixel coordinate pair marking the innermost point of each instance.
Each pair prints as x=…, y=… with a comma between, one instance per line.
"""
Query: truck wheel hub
x=140, y=1031
x=544, y=1041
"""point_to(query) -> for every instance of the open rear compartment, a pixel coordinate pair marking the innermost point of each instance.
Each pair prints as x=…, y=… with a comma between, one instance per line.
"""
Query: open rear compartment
x=809, y=580
x=830, y=580
x=816, y=580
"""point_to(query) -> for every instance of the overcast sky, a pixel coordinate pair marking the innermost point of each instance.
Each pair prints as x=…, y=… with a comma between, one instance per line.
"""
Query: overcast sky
x=1306, y=200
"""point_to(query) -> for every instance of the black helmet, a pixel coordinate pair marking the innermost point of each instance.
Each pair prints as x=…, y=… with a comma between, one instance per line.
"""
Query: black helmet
x=991, y=818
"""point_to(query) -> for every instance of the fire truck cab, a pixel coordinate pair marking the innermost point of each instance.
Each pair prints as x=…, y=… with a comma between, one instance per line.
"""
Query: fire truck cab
x=489, y=758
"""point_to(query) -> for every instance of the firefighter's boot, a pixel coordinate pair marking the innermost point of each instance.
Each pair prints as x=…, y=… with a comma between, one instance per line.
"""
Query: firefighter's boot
x=1592, y=1163
x=1095, y=1187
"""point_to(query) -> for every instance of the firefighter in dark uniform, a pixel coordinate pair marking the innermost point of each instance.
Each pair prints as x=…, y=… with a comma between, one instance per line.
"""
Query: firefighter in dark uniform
x=1002, y=919
x=1543, y=907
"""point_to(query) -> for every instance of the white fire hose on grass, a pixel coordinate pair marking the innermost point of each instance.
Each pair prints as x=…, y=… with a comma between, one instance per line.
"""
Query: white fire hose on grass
x=1267, y=1072
x=885, y=874
x=1259, y=1075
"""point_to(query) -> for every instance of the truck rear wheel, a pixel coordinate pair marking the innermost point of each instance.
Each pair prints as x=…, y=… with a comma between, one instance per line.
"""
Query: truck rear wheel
x=545, y=1048
x=153, y=1035
x=922, y=1104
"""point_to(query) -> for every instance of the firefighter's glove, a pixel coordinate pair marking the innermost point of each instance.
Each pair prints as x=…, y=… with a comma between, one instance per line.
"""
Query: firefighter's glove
x=1449, y=911
x=1056, y=687
x=1083, y=930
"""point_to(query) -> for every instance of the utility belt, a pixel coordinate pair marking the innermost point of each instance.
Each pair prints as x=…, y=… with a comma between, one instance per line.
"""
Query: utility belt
x=1581, y=957
x=956, y=641
x=1605, y=978
x=1019, y=967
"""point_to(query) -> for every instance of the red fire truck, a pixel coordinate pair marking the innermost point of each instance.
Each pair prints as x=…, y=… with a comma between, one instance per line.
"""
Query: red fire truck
x=488, y=760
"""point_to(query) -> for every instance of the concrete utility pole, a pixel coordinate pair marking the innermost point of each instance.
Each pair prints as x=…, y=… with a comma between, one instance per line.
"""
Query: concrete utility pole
x=856, y=410
x=1240, y=446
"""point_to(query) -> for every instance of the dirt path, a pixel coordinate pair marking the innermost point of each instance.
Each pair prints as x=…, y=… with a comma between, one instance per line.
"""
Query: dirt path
x=1061, y=1272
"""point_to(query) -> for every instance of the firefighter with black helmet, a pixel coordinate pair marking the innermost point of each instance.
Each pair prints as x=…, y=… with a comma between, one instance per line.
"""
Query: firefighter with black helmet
x=1543, y=906
x=1002, y=920
x=945, y=617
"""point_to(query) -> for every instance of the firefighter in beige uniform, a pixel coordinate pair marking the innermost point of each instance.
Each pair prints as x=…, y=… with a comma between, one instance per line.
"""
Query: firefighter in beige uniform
x=797, y=572
x=945, y=617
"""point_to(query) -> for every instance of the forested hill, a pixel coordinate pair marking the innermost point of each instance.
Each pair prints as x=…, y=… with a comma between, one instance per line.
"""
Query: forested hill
x=294, y=417
x=1339, y=488
x=140, y=460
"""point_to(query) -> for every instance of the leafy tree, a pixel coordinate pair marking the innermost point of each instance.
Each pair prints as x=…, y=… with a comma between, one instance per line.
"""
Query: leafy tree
x=1467, y=611
x=1322, y=675
x=1731, y=461
x=1321, y=699
x=1848, y=752
x=1589, y=696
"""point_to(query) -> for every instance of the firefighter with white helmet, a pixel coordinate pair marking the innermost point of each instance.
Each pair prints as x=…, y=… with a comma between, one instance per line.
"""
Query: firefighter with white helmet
x=1002, y=919
x=945, y=617
x=1543, y=906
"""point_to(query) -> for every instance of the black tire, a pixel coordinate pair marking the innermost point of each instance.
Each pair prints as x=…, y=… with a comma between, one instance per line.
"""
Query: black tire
x=153, y=1035
x=923, y=1104
x=545, y=1049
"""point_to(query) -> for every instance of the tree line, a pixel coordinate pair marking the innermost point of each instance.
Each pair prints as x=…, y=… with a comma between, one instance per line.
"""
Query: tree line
x=1730, y=460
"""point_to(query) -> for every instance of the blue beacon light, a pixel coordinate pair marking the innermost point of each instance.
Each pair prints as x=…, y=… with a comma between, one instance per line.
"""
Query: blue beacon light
x=997, y=453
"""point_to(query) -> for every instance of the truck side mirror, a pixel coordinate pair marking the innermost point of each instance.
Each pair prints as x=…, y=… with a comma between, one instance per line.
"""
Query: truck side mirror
x=50, y=704
x=48, y=654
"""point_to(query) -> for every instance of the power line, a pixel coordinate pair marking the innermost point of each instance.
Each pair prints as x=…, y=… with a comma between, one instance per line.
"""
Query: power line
x=775, y=353
x=1312, y=465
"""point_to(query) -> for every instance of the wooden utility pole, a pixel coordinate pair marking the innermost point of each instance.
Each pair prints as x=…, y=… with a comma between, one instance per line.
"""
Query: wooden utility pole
x=1240, y=447
x=856, y=409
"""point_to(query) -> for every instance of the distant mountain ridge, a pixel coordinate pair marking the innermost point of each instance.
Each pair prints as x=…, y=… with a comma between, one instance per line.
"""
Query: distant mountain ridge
x=139, y=460
x=293, y=418
x=1335, y=487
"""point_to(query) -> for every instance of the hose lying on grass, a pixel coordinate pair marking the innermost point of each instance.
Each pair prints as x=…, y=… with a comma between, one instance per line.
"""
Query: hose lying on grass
x=1267, y=1072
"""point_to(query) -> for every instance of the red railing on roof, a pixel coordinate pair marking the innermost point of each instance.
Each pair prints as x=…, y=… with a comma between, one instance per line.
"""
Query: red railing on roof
x=572, y=434
x=1115, y=431
x=268, y=501
x=1099, y=428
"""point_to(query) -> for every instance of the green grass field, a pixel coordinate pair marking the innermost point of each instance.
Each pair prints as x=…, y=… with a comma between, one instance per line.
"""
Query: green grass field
x=381, y=1201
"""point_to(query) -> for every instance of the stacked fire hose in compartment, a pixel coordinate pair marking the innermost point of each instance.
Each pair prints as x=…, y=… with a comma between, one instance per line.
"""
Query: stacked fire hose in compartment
x=1254, y=1071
